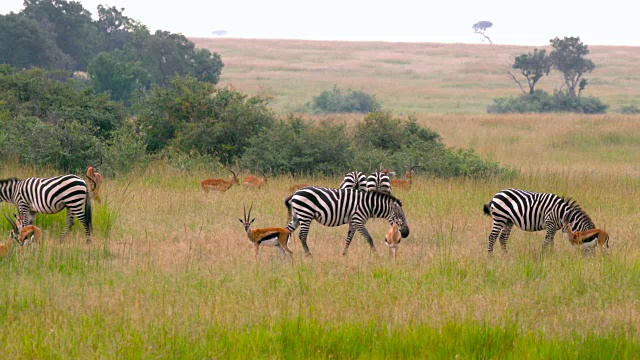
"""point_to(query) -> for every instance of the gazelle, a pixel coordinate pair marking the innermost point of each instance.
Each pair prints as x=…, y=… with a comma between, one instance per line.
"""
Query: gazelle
x=274, y=236
x=404, y=183
x=20, y=233
x=392, y=239
x=585, y=239
x=220, y=184
x=95, y=182
x=254, y=181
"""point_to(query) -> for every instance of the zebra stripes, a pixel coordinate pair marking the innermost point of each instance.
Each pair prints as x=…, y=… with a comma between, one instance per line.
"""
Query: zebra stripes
x=379, y=181
x=49, y=196
x=335, y=207
x=532, y=211
x=354, y=180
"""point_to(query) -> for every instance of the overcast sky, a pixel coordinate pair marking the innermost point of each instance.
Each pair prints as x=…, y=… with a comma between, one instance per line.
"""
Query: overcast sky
x=514, y=22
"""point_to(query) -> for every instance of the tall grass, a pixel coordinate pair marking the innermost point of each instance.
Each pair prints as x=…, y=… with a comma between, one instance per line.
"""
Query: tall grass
x=171, y=274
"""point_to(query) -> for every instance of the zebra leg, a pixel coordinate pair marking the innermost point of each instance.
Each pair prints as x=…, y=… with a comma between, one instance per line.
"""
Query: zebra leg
x=347, y=241
x=304, y=231
x=504, y=236
x=367, y=236
x=68, y=223
x=547, y=245
x=495, y=232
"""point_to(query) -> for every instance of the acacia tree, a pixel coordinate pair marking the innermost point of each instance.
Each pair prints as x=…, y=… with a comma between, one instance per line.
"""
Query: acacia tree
x=480, y=27
x=568, y=56
x=533, y=66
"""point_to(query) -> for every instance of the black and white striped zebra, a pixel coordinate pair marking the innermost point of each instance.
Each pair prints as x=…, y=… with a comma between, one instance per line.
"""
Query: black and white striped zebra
x=49, y=196
x=532, y=211
x=335, y=207
x=379, y=181
x=354, y=180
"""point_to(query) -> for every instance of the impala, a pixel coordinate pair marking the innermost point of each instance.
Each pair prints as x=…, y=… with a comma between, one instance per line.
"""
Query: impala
x=404, y=183
x=220, y=184
x=254, y=181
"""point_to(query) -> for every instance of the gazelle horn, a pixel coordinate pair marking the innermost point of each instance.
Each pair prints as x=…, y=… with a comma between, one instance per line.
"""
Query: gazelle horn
x=13, y=224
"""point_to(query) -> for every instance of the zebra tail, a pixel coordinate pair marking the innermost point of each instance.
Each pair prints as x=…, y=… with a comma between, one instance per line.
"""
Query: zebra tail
x=87, y=211
x=287, y=203
x=487, y=209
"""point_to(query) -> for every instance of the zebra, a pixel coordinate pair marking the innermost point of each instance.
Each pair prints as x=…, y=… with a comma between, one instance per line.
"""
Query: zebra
x=49, y=196
x=354, y=180
x=335, y=207
x=532, y=211
x=379, y=181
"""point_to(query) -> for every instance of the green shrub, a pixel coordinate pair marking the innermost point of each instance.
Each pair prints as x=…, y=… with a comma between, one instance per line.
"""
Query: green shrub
x=339, y=101
x=629, y=109
x=542, y=102
x=297, y=146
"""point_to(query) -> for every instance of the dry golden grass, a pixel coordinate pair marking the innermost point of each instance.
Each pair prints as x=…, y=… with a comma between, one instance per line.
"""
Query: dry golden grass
x=406, y=77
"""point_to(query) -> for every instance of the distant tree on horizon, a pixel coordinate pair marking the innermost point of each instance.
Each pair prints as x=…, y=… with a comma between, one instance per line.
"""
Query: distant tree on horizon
x=480, y=27
x=568, y=56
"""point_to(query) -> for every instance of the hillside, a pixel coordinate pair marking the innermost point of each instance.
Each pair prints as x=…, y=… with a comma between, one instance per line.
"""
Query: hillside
x=406, y=77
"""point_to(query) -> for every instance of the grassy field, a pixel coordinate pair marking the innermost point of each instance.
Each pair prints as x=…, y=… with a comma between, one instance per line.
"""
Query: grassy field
x=406, y=77
x=171, y=274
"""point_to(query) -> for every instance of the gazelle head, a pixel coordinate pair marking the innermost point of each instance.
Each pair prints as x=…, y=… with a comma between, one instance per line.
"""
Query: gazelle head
x=392, y=239
x=234, y=178
x=567, y=226
x=13, y=235
x=246, y=223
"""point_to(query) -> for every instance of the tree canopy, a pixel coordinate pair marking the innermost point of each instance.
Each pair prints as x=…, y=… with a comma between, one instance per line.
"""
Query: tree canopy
x=568, y=57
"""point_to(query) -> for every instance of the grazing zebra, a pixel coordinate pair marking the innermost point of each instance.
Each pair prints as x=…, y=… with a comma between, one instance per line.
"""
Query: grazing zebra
x=354, y=180
x=532, y=211
x=335, y=207
x=379, y=181
x=49, y=196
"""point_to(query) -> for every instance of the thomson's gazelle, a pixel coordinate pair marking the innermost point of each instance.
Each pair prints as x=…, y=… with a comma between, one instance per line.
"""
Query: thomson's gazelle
x=273, y=236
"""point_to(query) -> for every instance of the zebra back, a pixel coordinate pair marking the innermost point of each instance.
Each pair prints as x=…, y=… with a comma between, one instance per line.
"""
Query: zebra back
x=379, y=181
x=354, y=180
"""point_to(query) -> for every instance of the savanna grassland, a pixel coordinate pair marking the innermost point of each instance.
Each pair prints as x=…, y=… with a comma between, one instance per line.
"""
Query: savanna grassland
x=407, y=77
x=171, y=274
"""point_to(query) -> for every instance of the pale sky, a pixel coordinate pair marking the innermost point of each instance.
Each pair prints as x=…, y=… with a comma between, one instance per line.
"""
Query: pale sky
x=514, y=22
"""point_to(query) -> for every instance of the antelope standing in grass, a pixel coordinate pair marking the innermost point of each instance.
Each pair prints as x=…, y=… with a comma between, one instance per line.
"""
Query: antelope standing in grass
x=220, y=184
x=392, y=239
x=254, y=181
x=95, y=182
x=273, y=236
x=587, y=239
x=404, y=183
x=49, y=196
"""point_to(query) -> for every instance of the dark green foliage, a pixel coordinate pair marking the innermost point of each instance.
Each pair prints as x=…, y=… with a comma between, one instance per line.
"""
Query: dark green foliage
x=568, y=56
x=339, y=101
x=165, y=55
x=116, y=28
x=195, y=116
x=543, y=102
x=629, y=109
x=296, y=146
x=110, y=72
x=52, y=97
x=533, y=66
x=24, y=44
x=400, y=144
x=75, y=32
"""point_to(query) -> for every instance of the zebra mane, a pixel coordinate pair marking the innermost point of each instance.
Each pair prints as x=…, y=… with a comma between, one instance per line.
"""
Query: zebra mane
x=573, y=207
x=393, y=198
x=8, y=181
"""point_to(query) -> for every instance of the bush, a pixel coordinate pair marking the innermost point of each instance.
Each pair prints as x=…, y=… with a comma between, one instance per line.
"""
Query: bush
x=193, y=116
x=542, y=102
x=400, y=144
x=339, y=101
x=629, y=109
x=296, y=146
